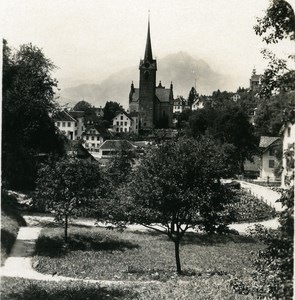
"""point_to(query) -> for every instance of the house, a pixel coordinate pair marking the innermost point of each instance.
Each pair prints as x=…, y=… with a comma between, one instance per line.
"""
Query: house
x=269, y=146
x=179, y=105
x=80, y=117
x=236, y=97
x=110, y=148
x=76, y=149
x=123, y=122
x=70, y=126
x=197, y=104
x=288, y=159
x=92, y=138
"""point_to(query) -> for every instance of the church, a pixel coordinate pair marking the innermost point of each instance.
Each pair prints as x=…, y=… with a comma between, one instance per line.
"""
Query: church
x=154, y=104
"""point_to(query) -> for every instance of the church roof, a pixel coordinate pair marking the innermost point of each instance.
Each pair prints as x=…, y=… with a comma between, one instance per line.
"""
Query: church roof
x=163, y=94
x=148, y=55
x=135, y=95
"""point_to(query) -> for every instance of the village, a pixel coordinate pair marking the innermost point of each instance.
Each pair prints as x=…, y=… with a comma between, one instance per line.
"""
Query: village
x=179, y=185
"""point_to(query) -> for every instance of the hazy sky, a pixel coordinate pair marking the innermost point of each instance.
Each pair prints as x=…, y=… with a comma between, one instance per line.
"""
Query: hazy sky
x=90, y=39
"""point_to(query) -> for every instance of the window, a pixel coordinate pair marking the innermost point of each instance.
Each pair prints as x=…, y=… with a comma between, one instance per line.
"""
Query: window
x=76, y=132
x=118, y=123
x=63, y=124
x=117, y=129
x=289, y=132
x=92, y=138
x=121, y=117
x=121, y=129
x=87, y=137
x=58, y=124
x=69, y=124
x=76, y=124
x=121, y=123
x=271, y=163
x=125, y=123
x=125, y=129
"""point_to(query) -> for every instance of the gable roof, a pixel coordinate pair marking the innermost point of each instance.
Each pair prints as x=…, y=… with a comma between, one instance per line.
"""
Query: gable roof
x=266, y=141
x=77, y=114
x=117, y=145
x=122, y=112
x=63, y=116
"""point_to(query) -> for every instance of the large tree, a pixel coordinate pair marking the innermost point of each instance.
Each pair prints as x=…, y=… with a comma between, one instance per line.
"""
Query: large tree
x=28, y=102
x=69, y=188
x=177, y=186
x=229, y=124
x=110, y=109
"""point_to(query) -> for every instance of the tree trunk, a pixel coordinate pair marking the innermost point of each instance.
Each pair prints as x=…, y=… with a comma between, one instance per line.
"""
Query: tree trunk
x=177, y=258
x=66, y=229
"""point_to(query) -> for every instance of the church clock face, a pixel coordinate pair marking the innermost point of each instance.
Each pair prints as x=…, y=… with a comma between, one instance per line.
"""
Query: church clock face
x=147, y=64
x=146, y=74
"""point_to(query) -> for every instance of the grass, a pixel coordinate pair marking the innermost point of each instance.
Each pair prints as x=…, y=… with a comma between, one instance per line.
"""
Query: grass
x=199, y=289
x=24, y=289
x=96, y=253
x=11, y=220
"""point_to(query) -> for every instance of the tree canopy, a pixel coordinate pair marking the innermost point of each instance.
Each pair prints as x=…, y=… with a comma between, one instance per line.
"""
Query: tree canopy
x=177, y=186
x=28, y=103
x=110, y=109
x=69, y=188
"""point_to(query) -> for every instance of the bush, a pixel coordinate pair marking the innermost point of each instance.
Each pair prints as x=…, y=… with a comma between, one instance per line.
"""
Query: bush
x=11, y=220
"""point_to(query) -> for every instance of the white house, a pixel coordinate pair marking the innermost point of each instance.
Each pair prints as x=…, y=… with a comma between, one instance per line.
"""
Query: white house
x=288, y=141
x=198, y=104
x=236, y=97
x=123, y=122
x=179, y=105
x=68, y=125
x=92, y=138
x=269, y=146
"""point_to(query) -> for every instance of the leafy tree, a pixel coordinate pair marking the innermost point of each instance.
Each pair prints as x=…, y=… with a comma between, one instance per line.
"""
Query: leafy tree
x=28, y=102
x=277, y=24
x=69, y=188
x=229, y=124
x=270, y=113
x=193, y=95
x=82, y=106
x=110, y=109
x=177, y=186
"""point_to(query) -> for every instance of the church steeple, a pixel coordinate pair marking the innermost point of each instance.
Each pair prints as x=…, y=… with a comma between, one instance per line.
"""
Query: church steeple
x=148, y=55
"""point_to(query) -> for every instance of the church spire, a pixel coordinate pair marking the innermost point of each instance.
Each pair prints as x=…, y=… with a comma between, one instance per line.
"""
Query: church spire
x=148, y=48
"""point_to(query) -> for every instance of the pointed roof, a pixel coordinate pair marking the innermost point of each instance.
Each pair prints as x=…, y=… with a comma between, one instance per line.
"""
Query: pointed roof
x=148, y=55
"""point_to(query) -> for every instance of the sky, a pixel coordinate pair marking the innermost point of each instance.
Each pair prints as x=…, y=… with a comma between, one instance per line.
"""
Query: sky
x=91, y=39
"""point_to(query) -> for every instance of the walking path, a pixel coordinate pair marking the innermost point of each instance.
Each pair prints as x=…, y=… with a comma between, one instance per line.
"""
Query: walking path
x=19, y=263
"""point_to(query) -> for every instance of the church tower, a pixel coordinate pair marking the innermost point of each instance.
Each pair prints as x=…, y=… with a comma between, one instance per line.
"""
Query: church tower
x=147, y=86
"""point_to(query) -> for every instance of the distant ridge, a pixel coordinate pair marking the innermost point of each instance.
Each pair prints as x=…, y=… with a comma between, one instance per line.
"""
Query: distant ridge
x=180, y=68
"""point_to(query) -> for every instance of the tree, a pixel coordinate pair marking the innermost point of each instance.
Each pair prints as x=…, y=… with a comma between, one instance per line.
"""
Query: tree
x=277, y=24
x=177, y=186
x=28, y=102
x=69, y=188
x=229, y=124
x=82, y=106
x=110, y=109
x=192, y=97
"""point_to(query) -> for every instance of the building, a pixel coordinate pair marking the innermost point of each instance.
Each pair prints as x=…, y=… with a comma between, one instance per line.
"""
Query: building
x=154, y=104
x=179, y=105
x=255, y=81
x=288, y=159
x=269, y=146
x=111, y=148
x=123, y=122
x=92, y=138
x=72, y=127
x=236, y=97
x=197, y=104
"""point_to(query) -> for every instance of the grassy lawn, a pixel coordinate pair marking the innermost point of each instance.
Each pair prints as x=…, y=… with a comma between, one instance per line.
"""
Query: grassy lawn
x=11, y=220
x=24, y=289
x=209, y=262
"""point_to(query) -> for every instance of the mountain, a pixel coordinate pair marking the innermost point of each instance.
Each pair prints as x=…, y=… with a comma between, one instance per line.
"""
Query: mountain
x=180, y=68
